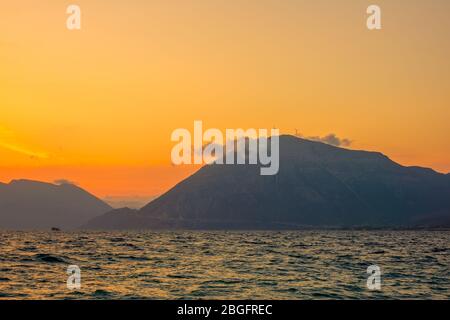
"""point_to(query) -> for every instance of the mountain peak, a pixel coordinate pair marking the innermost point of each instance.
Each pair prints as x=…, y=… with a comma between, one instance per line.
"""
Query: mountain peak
x=30, y=204
x=318, y=185
x=27, y=182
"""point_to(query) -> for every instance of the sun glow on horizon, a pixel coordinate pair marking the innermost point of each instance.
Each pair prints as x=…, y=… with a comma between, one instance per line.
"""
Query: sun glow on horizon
x=98, y=106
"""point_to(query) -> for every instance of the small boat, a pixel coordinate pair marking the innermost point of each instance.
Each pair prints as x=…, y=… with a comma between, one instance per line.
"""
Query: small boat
x=56, y=229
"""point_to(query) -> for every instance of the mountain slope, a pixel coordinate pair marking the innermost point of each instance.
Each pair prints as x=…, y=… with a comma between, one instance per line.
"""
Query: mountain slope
x=26, y=204
x=317, y=185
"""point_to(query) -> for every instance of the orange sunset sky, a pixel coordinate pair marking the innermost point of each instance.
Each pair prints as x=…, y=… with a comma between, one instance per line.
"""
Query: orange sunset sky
x=97, y=106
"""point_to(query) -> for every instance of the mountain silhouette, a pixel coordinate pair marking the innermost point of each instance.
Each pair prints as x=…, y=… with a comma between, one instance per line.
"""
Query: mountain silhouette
x=318, y=185
x=26, y=204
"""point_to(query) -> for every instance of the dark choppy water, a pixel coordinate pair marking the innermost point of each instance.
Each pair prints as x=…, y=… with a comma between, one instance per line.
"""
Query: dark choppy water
x=225, y=265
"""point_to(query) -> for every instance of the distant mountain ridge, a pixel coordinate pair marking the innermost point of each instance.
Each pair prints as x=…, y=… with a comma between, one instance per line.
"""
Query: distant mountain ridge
x=27, y=204
x=318, y=185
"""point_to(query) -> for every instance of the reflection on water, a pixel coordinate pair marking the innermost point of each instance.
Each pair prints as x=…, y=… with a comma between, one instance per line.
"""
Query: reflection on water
x=225, y=265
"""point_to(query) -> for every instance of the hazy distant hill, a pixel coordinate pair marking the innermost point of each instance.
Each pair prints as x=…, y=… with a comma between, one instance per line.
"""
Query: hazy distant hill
x=318, y=185
x=28, y=204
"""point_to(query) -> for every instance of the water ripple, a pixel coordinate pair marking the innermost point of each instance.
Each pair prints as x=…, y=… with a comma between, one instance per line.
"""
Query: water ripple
x=225, y=265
